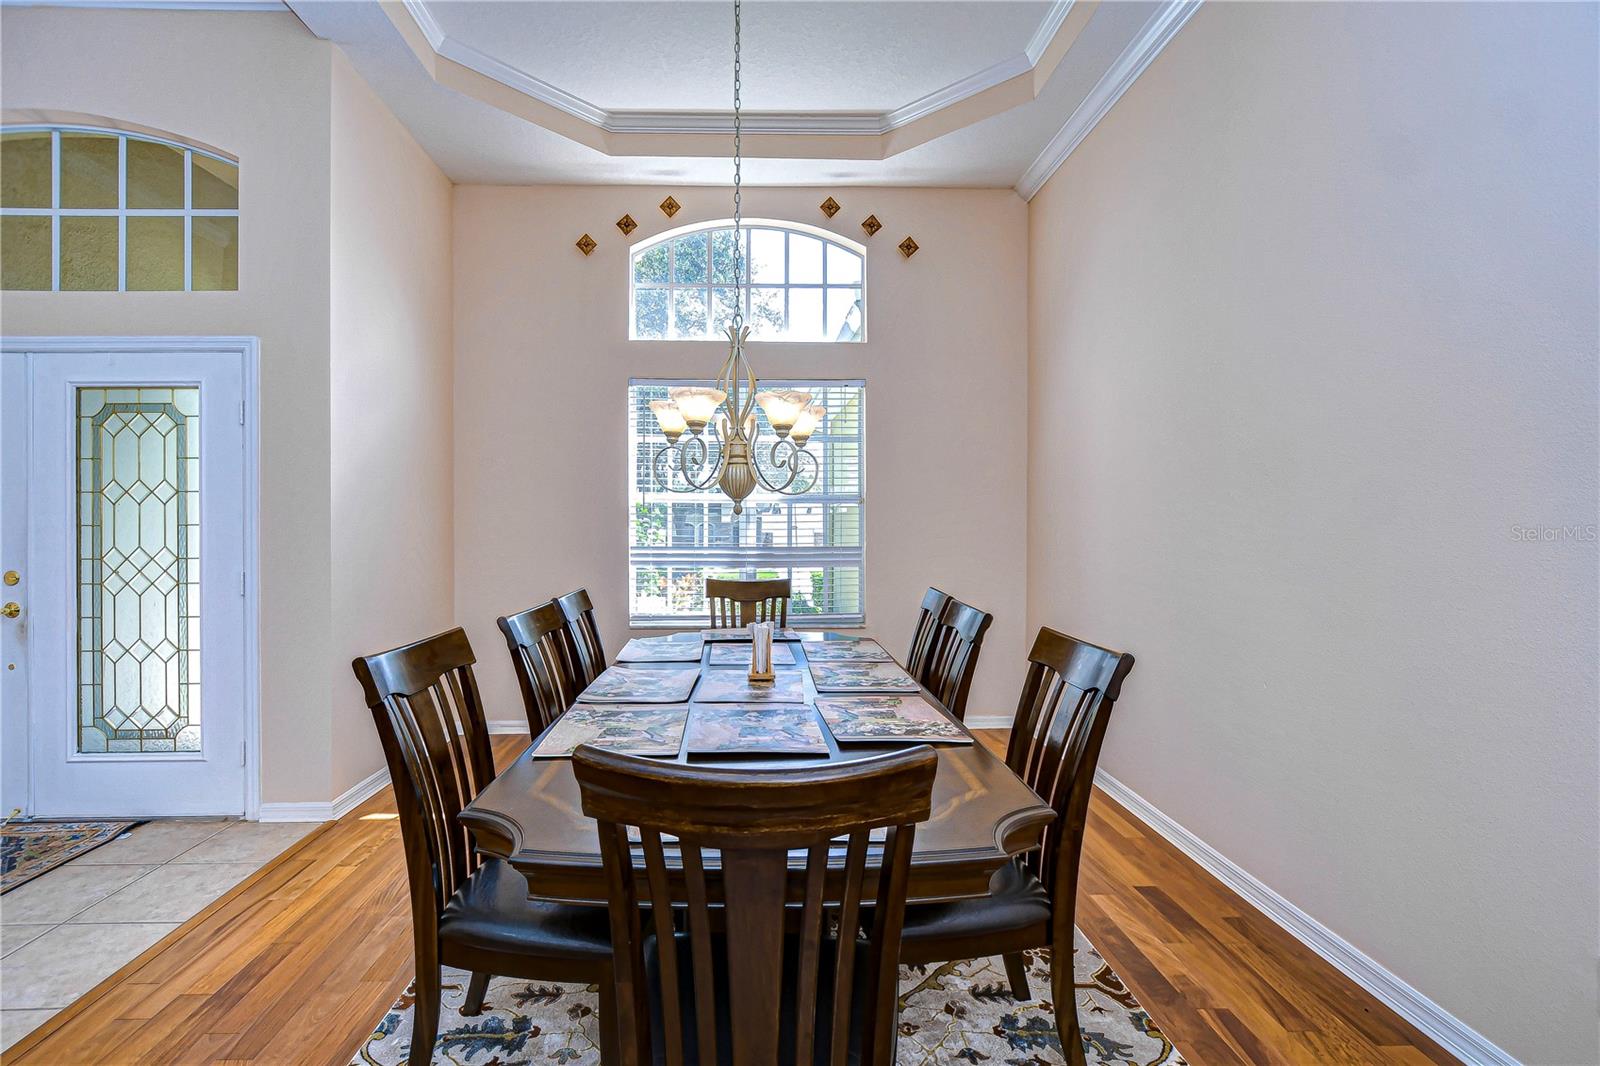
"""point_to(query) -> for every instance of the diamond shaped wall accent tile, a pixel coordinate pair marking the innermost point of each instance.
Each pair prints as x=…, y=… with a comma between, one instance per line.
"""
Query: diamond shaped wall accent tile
x=871, y=225
x=908, y=247
x=587, y=244
x=669, y=207
x=627, y=225
x=830, y=207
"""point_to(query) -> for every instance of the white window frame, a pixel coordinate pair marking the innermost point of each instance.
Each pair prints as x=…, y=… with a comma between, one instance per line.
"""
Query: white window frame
x=121, y=212
x=750, y=558
x=670, y=286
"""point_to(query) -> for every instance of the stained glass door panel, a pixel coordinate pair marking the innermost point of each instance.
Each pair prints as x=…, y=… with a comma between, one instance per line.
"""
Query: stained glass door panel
x=139, y=567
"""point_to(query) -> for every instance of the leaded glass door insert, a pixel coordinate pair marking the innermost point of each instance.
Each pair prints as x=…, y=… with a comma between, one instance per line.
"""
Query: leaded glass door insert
x=138, y=570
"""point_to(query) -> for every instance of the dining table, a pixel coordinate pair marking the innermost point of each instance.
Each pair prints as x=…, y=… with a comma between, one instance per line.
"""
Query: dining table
x=983, y=814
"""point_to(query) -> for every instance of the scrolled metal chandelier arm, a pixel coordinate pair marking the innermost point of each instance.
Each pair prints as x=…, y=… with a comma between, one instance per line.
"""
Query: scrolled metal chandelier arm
x=690, y=460
x=785, y=454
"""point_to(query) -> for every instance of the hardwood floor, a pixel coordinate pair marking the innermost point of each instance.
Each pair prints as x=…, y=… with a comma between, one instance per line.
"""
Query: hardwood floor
x=1223, y=981
x=299, y=962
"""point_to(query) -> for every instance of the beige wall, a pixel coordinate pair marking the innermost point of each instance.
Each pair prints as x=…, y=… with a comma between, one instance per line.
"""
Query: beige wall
x=1312, y=334
x=543, y=362
x=391, y=409
x=255, y=85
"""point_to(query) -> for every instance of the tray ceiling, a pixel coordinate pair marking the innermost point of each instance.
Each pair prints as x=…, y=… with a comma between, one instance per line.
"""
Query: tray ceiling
x=955, y=93
x=801, y=56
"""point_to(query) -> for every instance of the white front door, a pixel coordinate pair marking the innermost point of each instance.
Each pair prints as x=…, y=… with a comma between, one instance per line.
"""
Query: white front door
x=123, y=514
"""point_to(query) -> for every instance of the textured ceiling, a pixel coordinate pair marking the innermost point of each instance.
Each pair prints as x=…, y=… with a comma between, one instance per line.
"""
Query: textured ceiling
x=802, y=56
x=612, y=54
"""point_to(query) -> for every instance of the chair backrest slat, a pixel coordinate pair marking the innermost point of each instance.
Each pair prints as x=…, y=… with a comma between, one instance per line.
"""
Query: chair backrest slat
x=952, y=656
x=430, y=720
x=735, y=604
x=929, y=615
x=1067, y=698
x=752, y=821
x=811, y=915
x=704, y=961
x=547, y=660
x=655, y=866
x=844, y=972
x=579, y=615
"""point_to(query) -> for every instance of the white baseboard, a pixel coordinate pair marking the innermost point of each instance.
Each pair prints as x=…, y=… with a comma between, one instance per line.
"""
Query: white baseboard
x=1454, y=1035
x=988, y=721
x=508, y=725
x=296, y=812
x=349, y=800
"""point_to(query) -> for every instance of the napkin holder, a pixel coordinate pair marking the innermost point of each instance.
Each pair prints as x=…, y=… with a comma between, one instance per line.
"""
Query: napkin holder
x=761, y=652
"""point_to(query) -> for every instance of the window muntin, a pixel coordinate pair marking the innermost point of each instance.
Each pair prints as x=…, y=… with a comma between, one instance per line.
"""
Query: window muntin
x=799, y=286
x=94, y=209
x=678, y=539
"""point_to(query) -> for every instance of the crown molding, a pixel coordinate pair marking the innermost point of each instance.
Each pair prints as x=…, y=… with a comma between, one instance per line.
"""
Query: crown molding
x=1048, y=28
x=957, y=91
x=999, y=87
x=1161, y=28
x=503, y=72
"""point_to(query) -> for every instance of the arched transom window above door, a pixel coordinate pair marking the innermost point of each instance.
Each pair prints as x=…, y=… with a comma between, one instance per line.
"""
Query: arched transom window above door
x=83, y=208
x=798, y=284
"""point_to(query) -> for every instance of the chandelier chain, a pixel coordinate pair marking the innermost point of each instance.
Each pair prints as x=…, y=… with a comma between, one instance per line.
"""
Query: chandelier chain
x=738, y=230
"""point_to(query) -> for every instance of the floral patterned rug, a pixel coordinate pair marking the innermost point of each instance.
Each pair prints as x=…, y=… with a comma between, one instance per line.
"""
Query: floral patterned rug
x=954, y=1013
x=28, y=849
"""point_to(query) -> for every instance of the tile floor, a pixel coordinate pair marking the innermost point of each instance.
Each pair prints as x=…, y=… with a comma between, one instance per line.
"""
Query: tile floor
x=64, y=932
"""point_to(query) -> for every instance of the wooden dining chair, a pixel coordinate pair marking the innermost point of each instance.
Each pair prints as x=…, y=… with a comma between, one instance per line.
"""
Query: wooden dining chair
x=729, y=979
x=579, y=613
x=548, y=664
x=1067, y=697
x=735, y=604
x=466, y=913
x=953, y=655
x=928, y=617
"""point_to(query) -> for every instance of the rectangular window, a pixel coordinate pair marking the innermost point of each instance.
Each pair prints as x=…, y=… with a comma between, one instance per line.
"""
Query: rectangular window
x=678, y=539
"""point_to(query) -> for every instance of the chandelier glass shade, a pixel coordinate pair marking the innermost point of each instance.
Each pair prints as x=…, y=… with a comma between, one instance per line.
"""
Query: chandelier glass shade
x=724, y=447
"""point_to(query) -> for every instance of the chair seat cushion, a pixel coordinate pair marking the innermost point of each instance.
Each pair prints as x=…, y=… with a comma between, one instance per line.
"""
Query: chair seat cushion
x=1016, y=910
x=492, y=912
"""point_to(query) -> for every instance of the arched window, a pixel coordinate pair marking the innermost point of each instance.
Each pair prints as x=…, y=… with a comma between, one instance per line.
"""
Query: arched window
x=799, y=284
x=85, y=208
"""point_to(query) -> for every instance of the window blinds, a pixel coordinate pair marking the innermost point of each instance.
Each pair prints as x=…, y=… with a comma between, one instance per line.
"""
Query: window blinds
x=676, y=540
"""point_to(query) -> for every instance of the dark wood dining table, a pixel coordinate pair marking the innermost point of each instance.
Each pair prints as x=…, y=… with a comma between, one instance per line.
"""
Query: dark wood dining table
x=983, y=814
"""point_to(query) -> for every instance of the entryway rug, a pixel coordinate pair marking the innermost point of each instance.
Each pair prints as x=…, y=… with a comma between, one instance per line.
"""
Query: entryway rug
x=955, y=1013
x=28, y=849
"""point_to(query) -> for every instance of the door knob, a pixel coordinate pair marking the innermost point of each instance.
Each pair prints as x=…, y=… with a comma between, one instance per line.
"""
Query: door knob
x=12, y=609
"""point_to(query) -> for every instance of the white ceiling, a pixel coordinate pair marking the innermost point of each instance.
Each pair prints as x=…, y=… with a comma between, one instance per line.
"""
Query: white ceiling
x=860, y=57
x=798, y=56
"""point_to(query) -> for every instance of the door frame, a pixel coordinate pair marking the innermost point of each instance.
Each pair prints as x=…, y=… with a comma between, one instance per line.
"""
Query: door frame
x=248, y=349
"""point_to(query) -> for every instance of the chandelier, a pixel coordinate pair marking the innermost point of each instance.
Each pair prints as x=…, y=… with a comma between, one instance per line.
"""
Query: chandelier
x=724, y=444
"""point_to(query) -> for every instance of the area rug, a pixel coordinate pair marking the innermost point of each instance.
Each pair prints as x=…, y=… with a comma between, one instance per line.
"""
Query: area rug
x=954, y=1013
x=28, y=849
